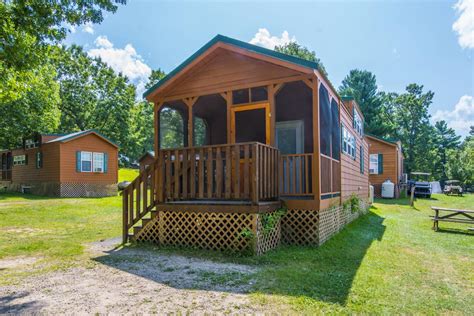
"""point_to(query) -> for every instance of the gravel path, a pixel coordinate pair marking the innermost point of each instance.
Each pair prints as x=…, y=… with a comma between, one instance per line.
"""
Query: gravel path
x=134, y=281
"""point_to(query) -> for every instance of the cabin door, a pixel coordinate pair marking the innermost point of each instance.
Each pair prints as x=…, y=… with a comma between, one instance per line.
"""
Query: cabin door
x=250, y=123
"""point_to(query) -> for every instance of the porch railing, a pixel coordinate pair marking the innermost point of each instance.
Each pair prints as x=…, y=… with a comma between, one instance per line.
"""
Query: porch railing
x=244, y=171
x=296, y=175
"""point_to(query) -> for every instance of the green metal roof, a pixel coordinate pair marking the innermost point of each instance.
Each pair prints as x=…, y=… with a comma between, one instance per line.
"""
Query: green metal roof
x=388, y=140
x=240, y=44
x=67, y=137
x=347, y=98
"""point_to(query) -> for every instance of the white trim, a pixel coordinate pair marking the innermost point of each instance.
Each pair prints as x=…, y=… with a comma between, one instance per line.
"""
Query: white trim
x=91, y=159
x=374, y=164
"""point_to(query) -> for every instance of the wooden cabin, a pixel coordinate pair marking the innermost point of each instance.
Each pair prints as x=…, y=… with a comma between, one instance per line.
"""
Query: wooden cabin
x=273, y=126
x=385, y=163
x=80, y=164
x=146, y=160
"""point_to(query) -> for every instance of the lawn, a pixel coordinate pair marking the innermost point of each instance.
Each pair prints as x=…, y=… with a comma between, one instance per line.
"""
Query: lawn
x=389, y=261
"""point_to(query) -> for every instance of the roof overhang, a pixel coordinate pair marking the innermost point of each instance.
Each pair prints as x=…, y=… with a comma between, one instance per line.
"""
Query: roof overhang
x=73, y=136
x=227, y=43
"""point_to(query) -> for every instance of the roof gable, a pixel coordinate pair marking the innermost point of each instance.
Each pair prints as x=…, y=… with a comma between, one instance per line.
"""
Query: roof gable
x=230, y=42
x=72, y=136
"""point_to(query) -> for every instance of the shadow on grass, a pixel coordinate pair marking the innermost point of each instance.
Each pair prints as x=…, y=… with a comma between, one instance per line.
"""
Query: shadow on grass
x=25, y=196
x=457, y=231
x=321, y=273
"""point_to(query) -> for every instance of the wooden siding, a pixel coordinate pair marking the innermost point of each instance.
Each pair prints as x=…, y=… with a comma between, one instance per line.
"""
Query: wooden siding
x=91, y=143
x=25, y=174
x=391, y=161
x=353, y=181
x=223, y=70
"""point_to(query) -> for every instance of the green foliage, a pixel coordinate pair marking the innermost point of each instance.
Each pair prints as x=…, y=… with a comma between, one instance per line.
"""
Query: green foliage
x=28, y=28
x=94, y=96
x=155, y=76
x=270, y=220
x=352, y=204
x=295, y=49
x=171, y=128
x=445, y=140
x=460, y=163
x=362, y=86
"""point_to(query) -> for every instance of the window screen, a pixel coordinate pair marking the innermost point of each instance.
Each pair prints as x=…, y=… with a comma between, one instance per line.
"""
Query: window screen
x=325, y=121
x=86, y=161
x=335, y=131
x=259, y=94
x=240, y=96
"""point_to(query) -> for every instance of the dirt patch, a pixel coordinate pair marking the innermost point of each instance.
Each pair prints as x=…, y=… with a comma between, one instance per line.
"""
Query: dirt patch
x=17, y=262
x=135, y=281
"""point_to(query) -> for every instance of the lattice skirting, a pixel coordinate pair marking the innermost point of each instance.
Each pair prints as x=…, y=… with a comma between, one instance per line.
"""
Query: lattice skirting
x=210, y=230
x=300, y=227
x=333, y=220
x=65, y=189
x=87, y=190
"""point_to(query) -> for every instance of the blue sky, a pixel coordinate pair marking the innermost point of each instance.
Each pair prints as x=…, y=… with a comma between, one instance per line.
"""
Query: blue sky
x=399, y=41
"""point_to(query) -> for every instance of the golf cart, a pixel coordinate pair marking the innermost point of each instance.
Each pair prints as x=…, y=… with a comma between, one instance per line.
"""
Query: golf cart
x=453, y=187
x=420, y=183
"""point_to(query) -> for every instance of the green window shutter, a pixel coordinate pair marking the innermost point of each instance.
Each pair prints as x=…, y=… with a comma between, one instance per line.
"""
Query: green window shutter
x=78, y=161
x=106, y=162
x=380, y=163
x=26, y=159
x=361, y=160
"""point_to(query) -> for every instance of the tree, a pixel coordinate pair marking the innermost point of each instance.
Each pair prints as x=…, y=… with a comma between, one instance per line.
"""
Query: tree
x=28, y=28
x=460, y=163
x=446, y=139
x=93, y=96
x=37, y=110
x=155, y=76
x=295, y=49
x=414, y=129
x=362, y=86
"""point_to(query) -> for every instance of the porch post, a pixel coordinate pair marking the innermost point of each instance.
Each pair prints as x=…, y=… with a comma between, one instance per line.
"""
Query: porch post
x=190, y=102
x=156, y=115
x=316, y=150
x=271, y=100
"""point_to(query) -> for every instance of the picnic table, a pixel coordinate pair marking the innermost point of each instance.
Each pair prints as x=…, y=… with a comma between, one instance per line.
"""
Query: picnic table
x=451, y=215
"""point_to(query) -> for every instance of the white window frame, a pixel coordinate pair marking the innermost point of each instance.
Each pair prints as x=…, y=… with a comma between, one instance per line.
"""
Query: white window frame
x=19, y=160
x=348, y=143
x=91, y=160
x=357, y=123
x=374, y=164
x=96, y=160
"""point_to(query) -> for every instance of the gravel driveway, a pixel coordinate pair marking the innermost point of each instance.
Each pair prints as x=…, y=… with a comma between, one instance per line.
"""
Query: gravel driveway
x=134, y=280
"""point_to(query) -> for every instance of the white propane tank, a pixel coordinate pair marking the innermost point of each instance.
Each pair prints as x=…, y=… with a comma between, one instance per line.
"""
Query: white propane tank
x=371, y=195
x=388, y=190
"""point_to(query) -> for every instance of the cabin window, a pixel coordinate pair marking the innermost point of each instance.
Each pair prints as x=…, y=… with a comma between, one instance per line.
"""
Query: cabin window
x=348, y=143
x=335, y=131
x=98, y=162
x=240, y=96
x=20, y=160
x=39, y=160
x=31, y=143
x=325, y=121
x=86, y=161
x=376, y=164
x=259, y=94
x=358, y=126
x=361, y=157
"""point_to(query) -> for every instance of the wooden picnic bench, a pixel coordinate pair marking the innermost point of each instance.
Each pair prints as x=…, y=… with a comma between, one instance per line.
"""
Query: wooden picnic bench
x=451, y=215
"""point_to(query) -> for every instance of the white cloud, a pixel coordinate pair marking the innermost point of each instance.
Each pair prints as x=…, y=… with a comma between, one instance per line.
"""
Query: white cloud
x=464, y=25
x=461, y=117
x=71, y=28
x=124, y=60
x=264, y=39
x=88, y=28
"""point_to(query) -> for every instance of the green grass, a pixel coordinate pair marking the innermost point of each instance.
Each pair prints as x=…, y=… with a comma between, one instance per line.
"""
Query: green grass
x=388, y=261
x=54, y=230
x=126, y=174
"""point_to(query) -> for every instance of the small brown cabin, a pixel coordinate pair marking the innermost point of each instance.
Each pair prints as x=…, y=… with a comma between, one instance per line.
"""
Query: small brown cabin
x=146, y=160
x=385, y=163
x=276, y=133
x=79, y=164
